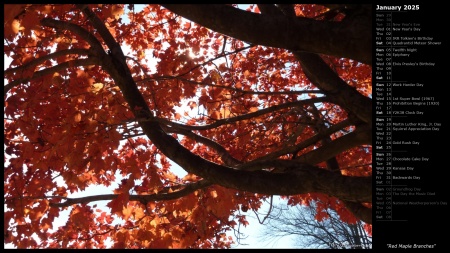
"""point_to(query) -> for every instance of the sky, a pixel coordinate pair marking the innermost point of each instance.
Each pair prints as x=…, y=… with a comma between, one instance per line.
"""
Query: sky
x=253, y=232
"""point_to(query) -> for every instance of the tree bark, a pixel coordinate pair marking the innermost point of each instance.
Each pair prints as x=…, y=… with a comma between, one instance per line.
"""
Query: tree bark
x=339, y=39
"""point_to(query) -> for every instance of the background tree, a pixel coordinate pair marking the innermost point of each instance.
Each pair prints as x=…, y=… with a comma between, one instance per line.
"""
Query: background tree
x=272, y=100
x=315, y=227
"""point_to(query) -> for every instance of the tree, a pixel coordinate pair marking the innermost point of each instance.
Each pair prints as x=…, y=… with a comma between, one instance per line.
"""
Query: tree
x=329, y=231
x=272, y=100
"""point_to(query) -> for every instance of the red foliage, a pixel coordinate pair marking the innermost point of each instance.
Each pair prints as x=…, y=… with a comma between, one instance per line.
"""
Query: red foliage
x=68, y=126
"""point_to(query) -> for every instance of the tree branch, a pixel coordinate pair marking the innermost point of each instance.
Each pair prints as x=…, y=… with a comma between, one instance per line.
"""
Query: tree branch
x=292, y=33
x=334, y=87
x=221, y=151
x=40, y=60
x=361, y=212
x=339, y=92
x=97, y=47
x=215, y=58
x=232, y=88
x=189, y=188
x=322, y=76
x=101, y=28
x=75, y=63
x=358, y=210
x=361, y=136
x=269, y=9
x=256, y=164
x=334, y=6
x=242, y=117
